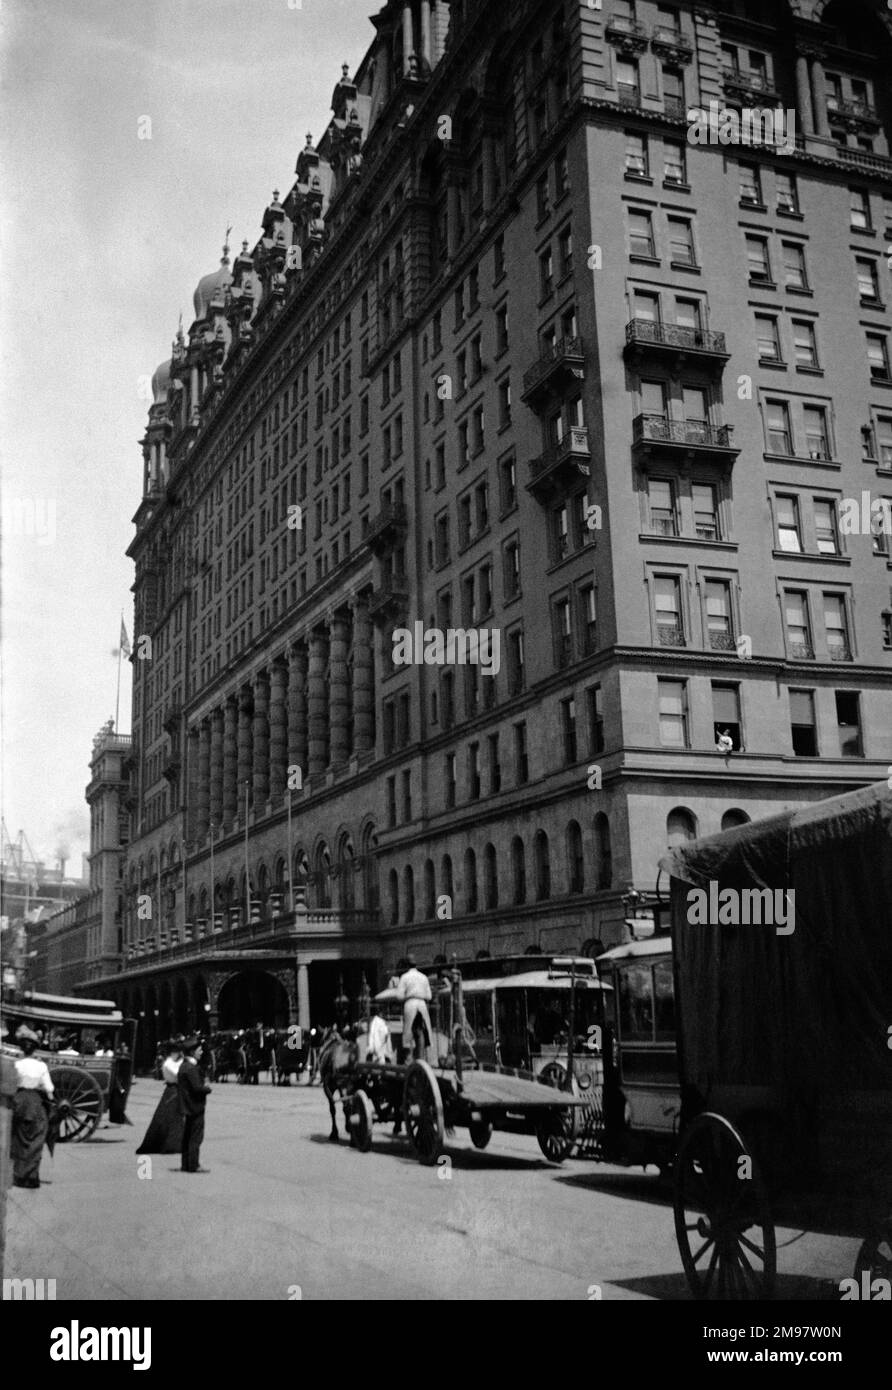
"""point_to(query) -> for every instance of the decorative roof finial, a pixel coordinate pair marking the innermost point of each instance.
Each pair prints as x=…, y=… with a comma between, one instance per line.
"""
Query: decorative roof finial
x=245, y=247
x=309, y=139
x=275, y=195
x=345, y=71
x=225, y=260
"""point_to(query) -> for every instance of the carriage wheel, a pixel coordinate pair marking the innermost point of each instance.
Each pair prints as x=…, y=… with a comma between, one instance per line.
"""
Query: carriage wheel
x=480, y=1132
x=723, y=1221
x=875, y=1255
x=78, y=1100
x=558, y=1131
x=360, y=1119
x=423, y=1113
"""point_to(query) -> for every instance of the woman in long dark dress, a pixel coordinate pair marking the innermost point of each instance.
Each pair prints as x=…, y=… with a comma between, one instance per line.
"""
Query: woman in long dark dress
x=165, y=1132
x=30, y=1113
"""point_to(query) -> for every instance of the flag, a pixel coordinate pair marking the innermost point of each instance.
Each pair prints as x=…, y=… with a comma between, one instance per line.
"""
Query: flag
x=125, y=640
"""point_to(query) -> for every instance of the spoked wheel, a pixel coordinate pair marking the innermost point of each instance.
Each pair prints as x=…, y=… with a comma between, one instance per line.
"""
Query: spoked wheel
x=423, y=1113
x=875, y=1255
x=360, y=1118
x=723, y=1221
x=556, y=1132
x=78, y=1099
x=480, y=1132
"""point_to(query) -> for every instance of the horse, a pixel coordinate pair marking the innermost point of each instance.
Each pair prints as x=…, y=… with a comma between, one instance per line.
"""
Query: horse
x=338, y=1055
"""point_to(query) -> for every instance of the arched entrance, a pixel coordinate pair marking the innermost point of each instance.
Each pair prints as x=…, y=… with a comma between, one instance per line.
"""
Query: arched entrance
x=253, y=996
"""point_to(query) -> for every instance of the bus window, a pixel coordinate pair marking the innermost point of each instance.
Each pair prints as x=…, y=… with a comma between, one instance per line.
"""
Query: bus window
x=549, y=1017
x=636, y=1005
x=513, y=1039
x=664, y=1000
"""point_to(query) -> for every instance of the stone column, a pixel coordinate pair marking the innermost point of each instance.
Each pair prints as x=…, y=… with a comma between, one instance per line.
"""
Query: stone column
x=408, y=40
x=317, y=705
x=297, y=706
x=303, y=995
x=193, y=393
x=245, y=761
x=819, y=90
x=230, y=761
x=803, y=95
x=278, y=732
x=261, y=742
x=204, y=779
x=363, y=684
x=338, y=691
x=426, y=52
x=192, y=743
x=216, y=800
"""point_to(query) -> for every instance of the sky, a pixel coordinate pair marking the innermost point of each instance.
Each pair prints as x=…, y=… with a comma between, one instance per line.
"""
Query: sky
x=103, y=238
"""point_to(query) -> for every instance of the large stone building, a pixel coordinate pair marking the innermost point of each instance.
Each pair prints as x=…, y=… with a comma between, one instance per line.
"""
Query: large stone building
x=513, y=354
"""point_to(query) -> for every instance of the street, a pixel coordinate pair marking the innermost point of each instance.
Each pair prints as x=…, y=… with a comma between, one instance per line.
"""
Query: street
x=285, y=1214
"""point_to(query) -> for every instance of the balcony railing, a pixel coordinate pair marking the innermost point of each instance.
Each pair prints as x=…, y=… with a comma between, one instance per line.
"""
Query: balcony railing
x=385, y=528
x=671, y=42
x=628, y=95
x=676, y=108
x=722, y=642
x=565, y=358
x=628, y=33
x=567, y=460
x=878, y=163
x=749, y=84
x=688, y=434
x=670, y=635
x=841, y=652
x=802, y=651
x=859, y=110
x=645, y=333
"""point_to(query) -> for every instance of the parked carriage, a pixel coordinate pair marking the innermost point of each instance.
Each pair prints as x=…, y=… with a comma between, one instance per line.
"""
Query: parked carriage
x=88, y=1046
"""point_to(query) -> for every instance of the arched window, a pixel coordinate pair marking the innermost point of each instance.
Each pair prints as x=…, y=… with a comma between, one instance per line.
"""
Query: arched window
x=575, y=861
x=408, y=894
x=446, y=879
x=733, y=818
x=470, y=881
x=323, y=876
x=543, y=865
x=430, y=889
x=369, y=852
x=490, y=878
x=394, y=886
x=603, y=851
x=345, y=873
x=518, y=870
x=681, y=825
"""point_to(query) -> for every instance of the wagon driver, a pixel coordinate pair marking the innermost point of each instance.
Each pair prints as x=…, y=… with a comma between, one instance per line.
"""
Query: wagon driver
x=414, y=990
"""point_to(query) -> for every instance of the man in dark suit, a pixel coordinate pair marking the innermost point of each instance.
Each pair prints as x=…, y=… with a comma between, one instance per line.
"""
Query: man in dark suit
x=193, y=1092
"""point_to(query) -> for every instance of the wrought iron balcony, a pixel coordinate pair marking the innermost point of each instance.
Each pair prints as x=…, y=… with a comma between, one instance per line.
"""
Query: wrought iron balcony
x=386, y=528
x=675, y=107
x=670, y=635
x=723, y=642
x=563, y=463
x=563, y=361
x=391, y=597
x=841, y=652
x=629, y=95
x=645, y=337
x=876, y=163
x=630, y=35
x=671, y=43
x=749, y=84
x=690, y=436
x=859, y=111
x=802, y=651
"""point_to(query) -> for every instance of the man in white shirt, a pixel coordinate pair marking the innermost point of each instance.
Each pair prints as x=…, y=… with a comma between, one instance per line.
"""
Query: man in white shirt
x=414, y=989
x=380, y=1048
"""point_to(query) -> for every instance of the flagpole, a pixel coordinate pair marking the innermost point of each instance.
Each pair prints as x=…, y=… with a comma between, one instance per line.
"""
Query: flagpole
x=247, y=871
x=118, y=691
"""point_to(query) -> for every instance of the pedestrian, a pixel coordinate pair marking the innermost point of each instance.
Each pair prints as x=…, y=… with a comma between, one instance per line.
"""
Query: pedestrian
x=30, y=1112
x=380, y=1048
x=414, y=990
x=193, y=1092
x=165, y=1132
x=315, y=1043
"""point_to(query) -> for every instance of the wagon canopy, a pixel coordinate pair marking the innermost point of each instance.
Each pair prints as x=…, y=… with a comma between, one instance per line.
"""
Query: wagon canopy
x=807, y=1009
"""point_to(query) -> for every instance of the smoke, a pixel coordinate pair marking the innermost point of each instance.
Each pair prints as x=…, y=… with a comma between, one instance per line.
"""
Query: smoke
x=71, y=832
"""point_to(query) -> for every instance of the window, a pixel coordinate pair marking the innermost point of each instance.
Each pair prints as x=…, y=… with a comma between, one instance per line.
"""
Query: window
x=504, y=403
x=884, y=441
x=561, y=175
x=673, y=713
x=786, y=191
x=508, y=483
x=868, y=280
x=794, y=266
x=816, y=435
x=490, y=878
x=805, y=343
x=674, y=162
x=521, y=757
x=560, y=533
x=495, y=766
x=780, y=436
x=803, y=727
x=661, y=503
x=718, y=615
x=706, y=518
x=440, y=466
x=627, y=83
x=653, y=397
x=588, y=618
x=878, y=357
x=565, y=253
x=501, y=329
x=518, y=870
x=515, y=661
x=575, y=858
x=826, y=534
x=681, y=826
x=757, y=260
x=799, y=643
x=512, y=569
x=647, y=306
x=848, y=720
x=474, y=771
x=681, y=241
x=860, y=206
x=563, y=636
x=726, y=713
x=789, y=534
x=687, y=314
x=391, y=801
x=636, y=155
x=696, y=406
x=603, y=852
x=595, y=720
x=836, y=627
x=449, y=778
x=641, y=235
x=546, y=274
x=543, y=865
x=407, y=796
x=880, y=524
x=568, y=730
x=543, y=203
x=667, y=600
x=750, y=184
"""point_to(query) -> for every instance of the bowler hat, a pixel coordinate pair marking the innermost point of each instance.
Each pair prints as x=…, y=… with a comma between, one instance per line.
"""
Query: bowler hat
x=190, y=1044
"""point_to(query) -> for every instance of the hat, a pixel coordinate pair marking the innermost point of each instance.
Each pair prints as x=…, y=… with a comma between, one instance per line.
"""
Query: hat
x=26, y=1034
x=189, y=1044
x=410, y=959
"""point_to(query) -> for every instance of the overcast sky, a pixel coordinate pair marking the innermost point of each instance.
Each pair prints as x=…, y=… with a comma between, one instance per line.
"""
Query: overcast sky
x=104, y=237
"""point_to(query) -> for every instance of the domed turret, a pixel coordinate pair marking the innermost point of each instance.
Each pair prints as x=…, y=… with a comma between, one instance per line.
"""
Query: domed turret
x=160, y=380
x=210, y=285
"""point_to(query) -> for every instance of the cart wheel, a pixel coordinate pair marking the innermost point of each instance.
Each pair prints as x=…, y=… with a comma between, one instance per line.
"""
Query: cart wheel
x=875, y=1255
x=554, y=1134
x=480, y=1132
x=723, y=1221
x=78, y=1100
x=423, y=1113
x=360, y=1118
